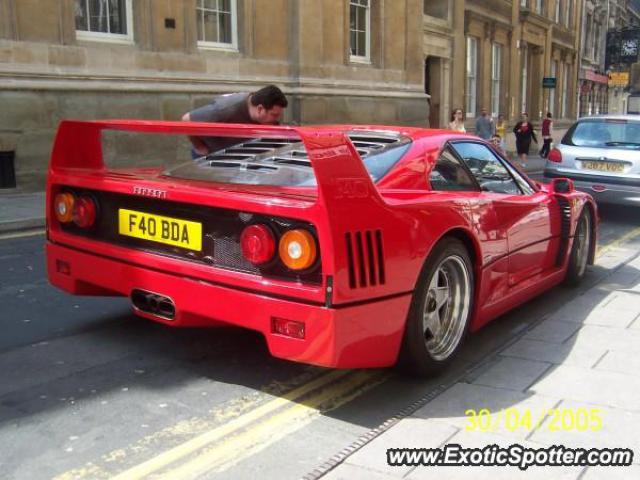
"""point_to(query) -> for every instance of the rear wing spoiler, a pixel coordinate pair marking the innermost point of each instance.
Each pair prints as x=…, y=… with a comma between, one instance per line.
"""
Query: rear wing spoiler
x=338, y=169
x=348, y=206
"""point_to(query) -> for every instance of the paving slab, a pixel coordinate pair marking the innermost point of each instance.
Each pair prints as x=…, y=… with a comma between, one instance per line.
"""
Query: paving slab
x=619, y=427
x=481, y=440
x=553, y=330
x=621, y=362
x=592, y=386
x=582, y=355
x=612, y=473
x=512, y=373
x=615, y=339
x=347, y=471
x=408, y=433
x=452, y=406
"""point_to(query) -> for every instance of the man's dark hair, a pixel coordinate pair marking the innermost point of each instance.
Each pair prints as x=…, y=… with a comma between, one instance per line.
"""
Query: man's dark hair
x=268, y=97
x=548, y=114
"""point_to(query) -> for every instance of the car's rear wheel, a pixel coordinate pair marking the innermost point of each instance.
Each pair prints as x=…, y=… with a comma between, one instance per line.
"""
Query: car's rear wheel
x=441, y=307
x=579, y=257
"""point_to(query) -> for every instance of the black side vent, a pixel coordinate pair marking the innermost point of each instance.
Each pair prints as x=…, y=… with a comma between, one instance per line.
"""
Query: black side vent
x=565, y=228
x=365, y=256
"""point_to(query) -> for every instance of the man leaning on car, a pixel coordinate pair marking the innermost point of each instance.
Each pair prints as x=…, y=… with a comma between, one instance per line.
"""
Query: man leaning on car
x=264, y=106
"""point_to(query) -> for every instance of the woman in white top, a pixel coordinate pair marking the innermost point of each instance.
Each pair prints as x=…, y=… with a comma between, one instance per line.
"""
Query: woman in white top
x=457, y=121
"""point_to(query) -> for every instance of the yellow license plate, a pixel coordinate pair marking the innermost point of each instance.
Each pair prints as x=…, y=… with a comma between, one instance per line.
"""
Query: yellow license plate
x=156, y=228
x=603, y=166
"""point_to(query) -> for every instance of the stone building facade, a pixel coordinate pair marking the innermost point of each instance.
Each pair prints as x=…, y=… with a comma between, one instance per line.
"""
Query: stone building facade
x=357, y=61
x=494, y=54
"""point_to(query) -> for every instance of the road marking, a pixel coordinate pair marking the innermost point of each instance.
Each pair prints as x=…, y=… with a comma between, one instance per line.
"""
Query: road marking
x=189, y=447
x=251, y=432
x=246, y=444
x=617, y=242
x=25, y=233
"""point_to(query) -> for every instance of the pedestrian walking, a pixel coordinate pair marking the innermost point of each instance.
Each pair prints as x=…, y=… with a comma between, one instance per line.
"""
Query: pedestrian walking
x=547, y=135
x=264, y=107
x=524, y=132
x=457, y=121
x=484, y=125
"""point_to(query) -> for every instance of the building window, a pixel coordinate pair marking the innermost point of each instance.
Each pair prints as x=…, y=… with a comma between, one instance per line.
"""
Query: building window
x=557, y=17
x=360, y=30
x=538, y=7
x=104, y=20
x=436, y=8
x=472, y=76
x=217, y=22
x=568, y=17
x=565, y=92
x=596, y=43
x=496, y=75
x=525, y=75
x=552, y=91
x=586, y=50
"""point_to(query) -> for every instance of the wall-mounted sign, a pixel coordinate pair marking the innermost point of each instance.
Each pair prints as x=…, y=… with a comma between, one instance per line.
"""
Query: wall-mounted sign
x=619, y=79
x=549, y=82
x=596, y=77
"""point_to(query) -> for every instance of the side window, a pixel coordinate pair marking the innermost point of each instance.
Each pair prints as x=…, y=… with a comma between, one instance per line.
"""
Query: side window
x=449, y=174
x=490, y=173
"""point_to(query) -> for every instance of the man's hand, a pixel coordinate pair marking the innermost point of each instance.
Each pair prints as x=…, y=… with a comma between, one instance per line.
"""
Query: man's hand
x=199, y=146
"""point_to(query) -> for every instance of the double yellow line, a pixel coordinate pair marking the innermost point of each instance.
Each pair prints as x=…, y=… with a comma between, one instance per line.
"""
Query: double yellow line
x=249, y=433
x=243, y=436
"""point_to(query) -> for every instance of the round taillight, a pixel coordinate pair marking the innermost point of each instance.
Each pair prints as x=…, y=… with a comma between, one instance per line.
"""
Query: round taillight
x=297, y=249
x=84, y=212
x=257, y=244
x=63, y=205
x=555, y=156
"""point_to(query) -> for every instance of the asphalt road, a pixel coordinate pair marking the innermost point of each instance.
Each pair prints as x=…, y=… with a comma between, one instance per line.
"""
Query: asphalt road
x=89, y=391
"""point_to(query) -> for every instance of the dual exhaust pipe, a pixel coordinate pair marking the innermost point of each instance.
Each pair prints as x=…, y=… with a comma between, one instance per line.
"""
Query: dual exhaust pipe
x=153, y=304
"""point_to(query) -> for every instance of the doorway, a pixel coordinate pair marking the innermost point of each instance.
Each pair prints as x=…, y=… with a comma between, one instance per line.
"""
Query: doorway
x=433, y=88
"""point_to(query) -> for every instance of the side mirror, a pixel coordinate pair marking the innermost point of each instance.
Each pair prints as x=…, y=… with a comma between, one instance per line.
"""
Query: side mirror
x=561, y=185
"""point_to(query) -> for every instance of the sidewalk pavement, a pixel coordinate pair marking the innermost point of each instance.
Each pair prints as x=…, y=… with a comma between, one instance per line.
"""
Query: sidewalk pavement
x=25, y=211
x=581, y=357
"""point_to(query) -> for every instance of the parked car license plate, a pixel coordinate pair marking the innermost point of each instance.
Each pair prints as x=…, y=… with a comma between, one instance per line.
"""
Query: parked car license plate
x=157, y=228
x=603, y=166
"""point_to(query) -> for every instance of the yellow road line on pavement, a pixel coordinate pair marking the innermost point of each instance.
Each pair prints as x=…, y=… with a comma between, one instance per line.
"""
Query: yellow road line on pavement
x=191, y=446
x=248, y=443
x=618, y=241
x=251, y=432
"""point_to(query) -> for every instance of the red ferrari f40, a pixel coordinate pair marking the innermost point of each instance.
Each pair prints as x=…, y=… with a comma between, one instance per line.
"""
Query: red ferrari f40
x=345, y=246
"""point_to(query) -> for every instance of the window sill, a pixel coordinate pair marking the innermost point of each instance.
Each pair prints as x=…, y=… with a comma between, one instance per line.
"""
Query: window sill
x=114, y=38
x=221, y=47
x=359, y=60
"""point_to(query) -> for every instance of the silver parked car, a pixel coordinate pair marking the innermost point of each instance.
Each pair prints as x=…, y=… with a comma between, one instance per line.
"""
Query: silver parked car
x=601, y=155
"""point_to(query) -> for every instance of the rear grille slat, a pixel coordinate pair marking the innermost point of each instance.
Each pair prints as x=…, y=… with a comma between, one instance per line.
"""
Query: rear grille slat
x=372, y=262
x=365, y=258
x=362, y=270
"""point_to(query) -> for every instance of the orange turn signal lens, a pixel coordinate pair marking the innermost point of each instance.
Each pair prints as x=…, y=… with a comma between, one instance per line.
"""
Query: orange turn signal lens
x=297, y=249
x=63, y=204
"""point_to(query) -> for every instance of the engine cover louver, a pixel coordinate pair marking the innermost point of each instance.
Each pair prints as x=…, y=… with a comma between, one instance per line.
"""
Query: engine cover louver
x=365, y=256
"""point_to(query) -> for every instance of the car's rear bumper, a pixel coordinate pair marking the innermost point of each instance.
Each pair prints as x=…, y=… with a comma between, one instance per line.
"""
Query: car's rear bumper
x=360, y=336
x=622, y=191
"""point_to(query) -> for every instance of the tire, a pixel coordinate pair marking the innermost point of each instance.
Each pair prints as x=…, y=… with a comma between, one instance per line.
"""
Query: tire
x=579, y=256
x=434, y=333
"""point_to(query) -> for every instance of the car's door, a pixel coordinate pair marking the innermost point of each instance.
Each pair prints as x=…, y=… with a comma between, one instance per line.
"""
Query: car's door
x=527, y=218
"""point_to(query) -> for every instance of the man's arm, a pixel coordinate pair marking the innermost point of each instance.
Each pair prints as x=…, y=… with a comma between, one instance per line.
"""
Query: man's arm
x=198, y=145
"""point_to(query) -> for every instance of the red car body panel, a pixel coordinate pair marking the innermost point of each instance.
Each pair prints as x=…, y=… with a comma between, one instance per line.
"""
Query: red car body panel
x=355, y=316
